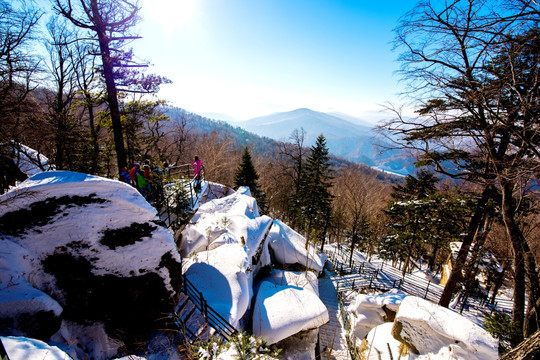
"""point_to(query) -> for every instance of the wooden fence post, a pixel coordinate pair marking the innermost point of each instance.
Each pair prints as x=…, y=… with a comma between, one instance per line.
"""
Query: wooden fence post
x=427, y=290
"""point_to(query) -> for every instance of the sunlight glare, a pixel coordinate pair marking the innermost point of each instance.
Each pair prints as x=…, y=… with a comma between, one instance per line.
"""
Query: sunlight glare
x=171, y=14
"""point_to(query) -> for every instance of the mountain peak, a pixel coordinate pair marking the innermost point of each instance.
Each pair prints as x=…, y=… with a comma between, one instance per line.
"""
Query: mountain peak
x=280, y=125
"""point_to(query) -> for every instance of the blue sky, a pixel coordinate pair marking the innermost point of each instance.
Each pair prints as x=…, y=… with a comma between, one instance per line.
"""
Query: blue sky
x=247, y=58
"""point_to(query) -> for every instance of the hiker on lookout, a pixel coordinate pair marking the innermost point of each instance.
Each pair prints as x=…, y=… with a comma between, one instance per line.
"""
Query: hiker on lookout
x=197, y=167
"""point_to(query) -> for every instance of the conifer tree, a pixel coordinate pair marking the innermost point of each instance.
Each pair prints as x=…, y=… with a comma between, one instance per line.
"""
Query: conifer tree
x=246, y=175
x=422, y=220
x=315, y=200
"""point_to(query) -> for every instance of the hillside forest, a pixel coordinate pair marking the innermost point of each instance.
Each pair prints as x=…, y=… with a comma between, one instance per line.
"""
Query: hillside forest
x=72, y=89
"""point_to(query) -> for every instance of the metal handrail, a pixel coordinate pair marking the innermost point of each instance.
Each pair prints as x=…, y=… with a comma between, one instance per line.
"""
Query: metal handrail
x=426, y=292
x=177, y=172
x=211, y=316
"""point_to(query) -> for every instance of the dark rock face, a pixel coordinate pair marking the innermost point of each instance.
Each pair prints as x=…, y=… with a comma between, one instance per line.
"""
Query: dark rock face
x=83, y=250
x=42, y=212
x=40, y=324
x=126, y=236
x=129, y=307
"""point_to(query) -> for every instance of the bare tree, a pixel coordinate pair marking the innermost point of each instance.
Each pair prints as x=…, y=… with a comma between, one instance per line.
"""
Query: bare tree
x=179, y=137
x=219, y=157
x=19, y=68
x=90, y=97
x=61, y=67
x=110, y=23
x=473, y=123
x=18, y=65
x=351, y=191
x=292, y=160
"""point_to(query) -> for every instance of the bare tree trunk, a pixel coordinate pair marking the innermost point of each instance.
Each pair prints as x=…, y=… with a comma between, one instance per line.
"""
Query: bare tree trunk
x=112, y=97
x=529, y=349
x=474, y=224
x=524, y=263
x=94, y=134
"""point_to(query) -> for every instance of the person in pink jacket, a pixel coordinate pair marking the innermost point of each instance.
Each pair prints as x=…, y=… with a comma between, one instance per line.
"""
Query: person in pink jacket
x=197, y=167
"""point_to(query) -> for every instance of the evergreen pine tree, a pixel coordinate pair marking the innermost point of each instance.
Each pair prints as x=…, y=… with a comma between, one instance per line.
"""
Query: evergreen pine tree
x=422, y=221
x=315, y=200
x=246, y=175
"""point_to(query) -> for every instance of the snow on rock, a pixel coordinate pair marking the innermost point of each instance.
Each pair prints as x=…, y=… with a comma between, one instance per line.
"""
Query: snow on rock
x=289, y=248
x=282, y=308
x=212, y=191
x=368, y=311
x=95, y=342
x=223, y=220
x=306, y=280
x=380, y=345
x=221, y=276
x=238, y=203
x=31, y=349
x=300, y=346
x=431, y=329
x=20, y=301
x=88, y=245
x=28, y=160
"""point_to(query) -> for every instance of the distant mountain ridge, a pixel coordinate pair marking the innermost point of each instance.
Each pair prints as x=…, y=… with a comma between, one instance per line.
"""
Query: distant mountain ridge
x=279, y=126
x=358, y=148
x=355, y=141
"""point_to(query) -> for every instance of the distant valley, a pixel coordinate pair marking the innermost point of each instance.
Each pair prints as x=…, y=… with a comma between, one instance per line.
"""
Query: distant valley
x=347, y=137
x=355, y=141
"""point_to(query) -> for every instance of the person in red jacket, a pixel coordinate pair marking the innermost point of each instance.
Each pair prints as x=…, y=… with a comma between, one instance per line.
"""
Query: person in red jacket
x=197, y=167
x=133, y=174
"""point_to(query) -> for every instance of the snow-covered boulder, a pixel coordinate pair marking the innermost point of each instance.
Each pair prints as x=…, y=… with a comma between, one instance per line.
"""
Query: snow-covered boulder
x=429, y=329
x=282, y=308
x=87, y=250
x=221, y=276
x=212, y=191
x=380, y=345
x=27, y=348
x=368, y=311
x=289, y=248
x=223, y=220
x=306, y=280
x=237, y=203
x=24, y=310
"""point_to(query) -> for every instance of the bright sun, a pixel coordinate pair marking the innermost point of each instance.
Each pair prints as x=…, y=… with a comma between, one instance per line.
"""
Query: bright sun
x=171, y=14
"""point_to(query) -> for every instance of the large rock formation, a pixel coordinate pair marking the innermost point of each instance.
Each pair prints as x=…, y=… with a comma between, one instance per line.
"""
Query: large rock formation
x=305, y=311
x=229, y=248
x=82, y=252
x=424, y=330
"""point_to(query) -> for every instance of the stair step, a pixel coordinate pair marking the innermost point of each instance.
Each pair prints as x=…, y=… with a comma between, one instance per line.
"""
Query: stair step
x=186, y=311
